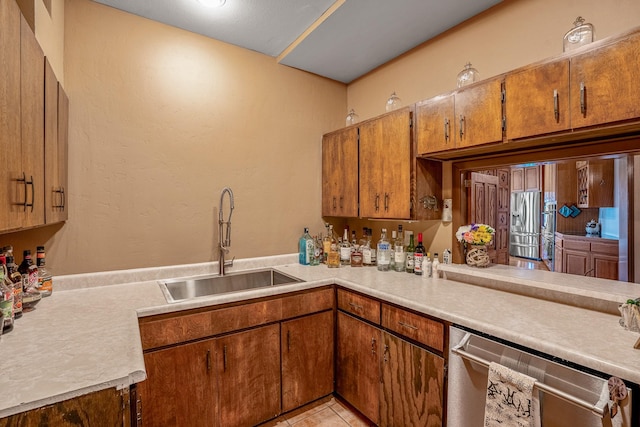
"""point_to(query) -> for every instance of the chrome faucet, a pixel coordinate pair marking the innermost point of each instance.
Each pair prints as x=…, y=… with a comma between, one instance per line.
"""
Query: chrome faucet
x=224, y=229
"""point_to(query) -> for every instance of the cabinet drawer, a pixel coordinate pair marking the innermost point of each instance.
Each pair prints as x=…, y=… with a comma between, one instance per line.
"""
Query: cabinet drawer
x=306, y=303
x=186, y=327
x=421, y=329
x=359, y=305
x=604, y=248
x=577, y=245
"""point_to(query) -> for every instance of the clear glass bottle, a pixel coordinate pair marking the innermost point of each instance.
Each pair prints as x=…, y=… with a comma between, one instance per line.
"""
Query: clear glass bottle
x=14, y=276
x=29, y=272
x=468, y=75
x=45, y=277
x=326, y=242
x=365, y=247
x=409, y=256
x=398, y=251
x=356, y=251
x=383, y=252
x=7, y=314
x=427, y=266
x=374, y=257
x=446, y=256
x=316, y=248
x=436, y=265
x=392, y=255
x=418, y=256
x=345, y=248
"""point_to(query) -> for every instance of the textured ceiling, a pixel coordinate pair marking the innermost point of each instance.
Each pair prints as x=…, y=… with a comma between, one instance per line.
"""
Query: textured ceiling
x=341, y=40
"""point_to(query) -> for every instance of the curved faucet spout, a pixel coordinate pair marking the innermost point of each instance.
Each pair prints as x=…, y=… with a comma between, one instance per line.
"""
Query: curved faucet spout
x=224, y=229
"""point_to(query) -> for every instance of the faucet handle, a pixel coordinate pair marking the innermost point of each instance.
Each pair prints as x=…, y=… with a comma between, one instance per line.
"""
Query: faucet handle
x=229, y=263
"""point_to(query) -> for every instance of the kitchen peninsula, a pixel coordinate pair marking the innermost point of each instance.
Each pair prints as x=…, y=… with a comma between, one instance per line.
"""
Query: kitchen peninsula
x=85, y=337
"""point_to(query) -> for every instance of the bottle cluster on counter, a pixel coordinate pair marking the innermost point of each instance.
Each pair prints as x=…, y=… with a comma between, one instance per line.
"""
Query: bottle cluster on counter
x=21, y=286
x=387, y=254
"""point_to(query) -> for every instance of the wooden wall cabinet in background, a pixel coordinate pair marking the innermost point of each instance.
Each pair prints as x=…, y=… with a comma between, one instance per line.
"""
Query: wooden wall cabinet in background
x=340, y=173
x=595, y=183
x=527, y=178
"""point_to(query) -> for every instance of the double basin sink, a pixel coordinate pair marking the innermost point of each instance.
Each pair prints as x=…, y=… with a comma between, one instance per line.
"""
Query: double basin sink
x=176, y=290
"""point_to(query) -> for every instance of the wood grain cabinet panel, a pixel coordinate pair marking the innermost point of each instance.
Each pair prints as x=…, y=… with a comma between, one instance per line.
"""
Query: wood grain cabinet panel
x=435, y=124
x=359, y=305
x=385, y=166
x=604, y=83
x=412, y=385
x=418, y=328
x=307, y=345
x=358, y=365
x=340, y=173
x=537, y=100
x=479, y=114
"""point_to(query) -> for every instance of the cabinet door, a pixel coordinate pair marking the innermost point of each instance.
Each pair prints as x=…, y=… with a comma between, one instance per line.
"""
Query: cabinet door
x=357, y=365
x=604, y=84
x=179, y=389
x=385, y=166
x=537, y=100
x=412, y=385
x=62, y=212
x=32, y=117
x=340, y=173
x=604, y=266
x=479, y=114
x=575, y=262
x=10, y=164
x=435, y=125
x=248, y=364
x=307, y=359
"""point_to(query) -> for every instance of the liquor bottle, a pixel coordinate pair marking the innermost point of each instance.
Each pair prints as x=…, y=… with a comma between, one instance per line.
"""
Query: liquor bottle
x=365, y=247
x=16, y=279
x=45, y=278
x=418, y=256
x=303, y=255
x=326, y=242
x=374, y=257
x=384, y=251
x=436, y=265
x=427, y=266
x=316, y=250
x=446, y=256
x=392, y=255
x=356, y=251
x=333, y=258
x=345, y=249
x=29, y=272
x=398, y=251
x=7, y=315
x=409, y=256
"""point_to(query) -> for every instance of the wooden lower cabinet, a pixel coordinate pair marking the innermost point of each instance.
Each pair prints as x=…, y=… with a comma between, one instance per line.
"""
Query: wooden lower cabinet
x=587, y=256
x=248, y=368
x=412, y=385
x=357, y=365
x=108, y=408
x=179, y=389
x=307, y=347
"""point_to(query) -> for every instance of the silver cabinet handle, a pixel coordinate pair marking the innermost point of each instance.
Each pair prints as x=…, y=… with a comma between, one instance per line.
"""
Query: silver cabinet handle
x=462, y=120
x=373, y=345
x=556, y=110
x=208, y=360
x=446, y=130
x=408, y=326
x=356, y=306
x=386, y=202
x=583, y=104
x=377, y=203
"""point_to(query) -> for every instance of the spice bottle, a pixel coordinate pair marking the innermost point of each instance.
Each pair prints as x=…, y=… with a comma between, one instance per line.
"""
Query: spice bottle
x=7, y=315
x=45, y=279
x=14, y=276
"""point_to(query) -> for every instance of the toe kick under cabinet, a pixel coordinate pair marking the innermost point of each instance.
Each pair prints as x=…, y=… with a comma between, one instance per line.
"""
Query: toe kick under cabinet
x=239, y=364
x=389, y=362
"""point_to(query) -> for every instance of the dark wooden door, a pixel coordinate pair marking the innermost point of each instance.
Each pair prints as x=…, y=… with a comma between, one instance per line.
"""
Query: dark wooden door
x=483, y=204
x=358, y=366
x=179, y=389
x=248, y=364
x=412, y=385
x=307, y=359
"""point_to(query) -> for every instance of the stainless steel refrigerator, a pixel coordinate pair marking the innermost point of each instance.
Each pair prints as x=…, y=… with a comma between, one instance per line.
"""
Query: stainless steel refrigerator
x=524, y=232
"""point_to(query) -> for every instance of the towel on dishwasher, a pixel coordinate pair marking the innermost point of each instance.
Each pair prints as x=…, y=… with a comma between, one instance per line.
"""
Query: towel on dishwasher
x=509, y=400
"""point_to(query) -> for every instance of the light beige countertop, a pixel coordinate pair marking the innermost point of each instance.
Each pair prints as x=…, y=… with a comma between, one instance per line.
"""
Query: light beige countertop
x=85, y=337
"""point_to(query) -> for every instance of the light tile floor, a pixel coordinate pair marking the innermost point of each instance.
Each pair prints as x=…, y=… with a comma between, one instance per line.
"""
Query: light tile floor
x=327, y=413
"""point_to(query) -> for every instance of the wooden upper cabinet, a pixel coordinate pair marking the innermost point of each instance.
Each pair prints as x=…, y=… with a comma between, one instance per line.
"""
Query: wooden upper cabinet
x=340, y=173
x=385, y=166
x=604, y=83
x=435, y=124
x=11, y=147
x=595, y=183
x=479, y=114
x=537, y=100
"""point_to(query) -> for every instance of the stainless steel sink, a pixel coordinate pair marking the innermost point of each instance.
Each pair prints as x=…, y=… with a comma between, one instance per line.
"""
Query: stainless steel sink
x=200, y=286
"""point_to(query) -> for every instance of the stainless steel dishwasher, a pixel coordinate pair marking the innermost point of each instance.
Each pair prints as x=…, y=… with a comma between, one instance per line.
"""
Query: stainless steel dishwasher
x=569, y=397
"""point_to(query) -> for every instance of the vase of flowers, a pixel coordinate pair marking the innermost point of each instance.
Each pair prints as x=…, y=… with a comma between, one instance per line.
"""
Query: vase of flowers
x=474, y=239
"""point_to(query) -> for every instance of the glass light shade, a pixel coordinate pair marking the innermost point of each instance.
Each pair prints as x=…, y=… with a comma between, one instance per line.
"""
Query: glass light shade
x=393, y=102
x=468, y=75
x=579, y=35
x=352, y=118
